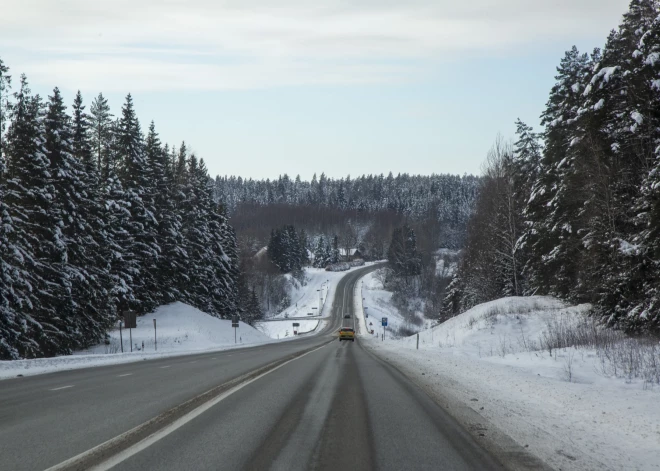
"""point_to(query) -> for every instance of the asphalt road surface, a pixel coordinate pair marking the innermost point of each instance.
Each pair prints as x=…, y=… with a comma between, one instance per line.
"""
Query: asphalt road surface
x=312, y=403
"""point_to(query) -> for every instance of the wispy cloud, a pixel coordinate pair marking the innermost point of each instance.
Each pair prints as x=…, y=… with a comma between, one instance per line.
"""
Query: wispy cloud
x=204, y=44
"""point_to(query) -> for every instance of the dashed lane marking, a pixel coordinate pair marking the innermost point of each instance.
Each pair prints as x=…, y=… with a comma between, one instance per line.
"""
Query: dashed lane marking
x=61, y=387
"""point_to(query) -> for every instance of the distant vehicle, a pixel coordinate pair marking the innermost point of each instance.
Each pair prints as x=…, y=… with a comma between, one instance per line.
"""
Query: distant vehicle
x=346, y=333
x=347, y=316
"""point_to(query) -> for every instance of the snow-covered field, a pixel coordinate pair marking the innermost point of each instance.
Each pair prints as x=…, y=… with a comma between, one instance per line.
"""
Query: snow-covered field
x=377, y=303
x=564, y=407
x=181, y=329
x=284, y=329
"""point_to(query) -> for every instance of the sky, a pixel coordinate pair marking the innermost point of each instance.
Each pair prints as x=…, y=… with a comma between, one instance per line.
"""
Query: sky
x=259, y=88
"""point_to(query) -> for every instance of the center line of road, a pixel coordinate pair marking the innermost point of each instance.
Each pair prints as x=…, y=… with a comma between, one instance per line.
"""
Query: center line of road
x=193, y=361
x=62, y=387
x=166, y=366
x=127, y=374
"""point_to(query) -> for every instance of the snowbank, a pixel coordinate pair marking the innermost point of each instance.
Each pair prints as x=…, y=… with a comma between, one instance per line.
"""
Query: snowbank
x=181, y=330
x=283, y=329
x=557, y=404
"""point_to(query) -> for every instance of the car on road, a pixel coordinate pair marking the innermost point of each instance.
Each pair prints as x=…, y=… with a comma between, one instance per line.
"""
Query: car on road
x=346, y=333
x=347, y=316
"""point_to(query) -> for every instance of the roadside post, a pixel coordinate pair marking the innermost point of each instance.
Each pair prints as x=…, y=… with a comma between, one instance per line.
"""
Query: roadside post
x=384, y=322
x=295, y=331
x=121, y=340
x=234, y=324
x=417, y=340
x=155, y=336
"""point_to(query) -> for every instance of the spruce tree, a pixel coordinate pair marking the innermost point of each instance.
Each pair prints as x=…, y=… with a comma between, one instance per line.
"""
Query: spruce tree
x=101, y=126
x=29, y=196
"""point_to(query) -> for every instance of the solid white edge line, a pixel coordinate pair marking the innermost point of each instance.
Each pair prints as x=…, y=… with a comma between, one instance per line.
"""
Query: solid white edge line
x=162, y=433
x=62, y=387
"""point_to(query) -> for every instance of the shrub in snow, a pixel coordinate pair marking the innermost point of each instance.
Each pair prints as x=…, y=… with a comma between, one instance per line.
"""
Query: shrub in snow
x=342, y=266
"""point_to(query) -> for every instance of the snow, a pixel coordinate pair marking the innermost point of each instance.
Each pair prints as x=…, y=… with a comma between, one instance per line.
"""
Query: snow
x=599, y=105
x=305, y=298
x=479, y=361
x=283, y=329
x=181, y=330
x=626, y=248
x=639, y=119
x=378, y=305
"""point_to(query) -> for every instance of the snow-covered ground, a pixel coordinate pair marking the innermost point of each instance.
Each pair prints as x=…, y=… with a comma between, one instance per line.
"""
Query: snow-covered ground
x=284, y=328
x=181, y=329
x=378, y=305
x=562, y=406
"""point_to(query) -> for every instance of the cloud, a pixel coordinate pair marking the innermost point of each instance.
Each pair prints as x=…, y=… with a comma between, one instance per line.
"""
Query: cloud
x=204, y=44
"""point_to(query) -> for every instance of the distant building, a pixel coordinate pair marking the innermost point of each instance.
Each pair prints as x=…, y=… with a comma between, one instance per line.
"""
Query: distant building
x=349, y=255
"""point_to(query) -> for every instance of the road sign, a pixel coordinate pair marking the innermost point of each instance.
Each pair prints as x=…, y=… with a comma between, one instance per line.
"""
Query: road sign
x=234, y=321
x=384, y=321
x=130, y=320
x=296, y=324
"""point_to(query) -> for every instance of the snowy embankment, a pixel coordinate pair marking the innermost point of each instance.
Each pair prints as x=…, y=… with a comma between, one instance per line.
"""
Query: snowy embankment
x=377, y=304
x=499, y=367
x=315, y=297
x=181, y=330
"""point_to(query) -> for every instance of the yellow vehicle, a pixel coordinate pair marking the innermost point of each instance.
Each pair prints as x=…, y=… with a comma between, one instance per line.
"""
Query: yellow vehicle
x=346, y=333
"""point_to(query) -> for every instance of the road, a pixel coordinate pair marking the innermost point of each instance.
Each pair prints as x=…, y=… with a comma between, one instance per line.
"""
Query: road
x=312, y=403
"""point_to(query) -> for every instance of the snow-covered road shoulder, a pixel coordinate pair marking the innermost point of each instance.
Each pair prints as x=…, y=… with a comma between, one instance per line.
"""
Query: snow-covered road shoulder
x=181, y=330
x=561, y=407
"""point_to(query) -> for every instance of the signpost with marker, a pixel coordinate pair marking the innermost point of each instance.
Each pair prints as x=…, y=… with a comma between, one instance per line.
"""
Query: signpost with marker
x=384, y=322
x=234, y=324
x=295, y=324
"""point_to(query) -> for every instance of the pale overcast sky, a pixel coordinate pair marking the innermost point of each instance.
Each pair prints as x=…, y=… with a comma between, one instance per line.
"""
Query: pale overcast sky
x=264, y=87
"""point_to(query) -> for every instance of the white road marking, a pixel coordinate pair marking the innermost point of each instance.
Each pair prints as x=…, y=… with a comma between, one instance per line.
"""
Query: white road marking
x=166, y=366
x=162, y=433
x=121, y=376
x=193, y=361
x=62, y=387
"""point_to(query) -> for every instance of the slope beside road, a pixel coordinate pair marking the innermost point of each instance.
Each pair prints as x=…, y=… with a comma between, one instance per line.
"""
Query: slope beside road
x=312, y=403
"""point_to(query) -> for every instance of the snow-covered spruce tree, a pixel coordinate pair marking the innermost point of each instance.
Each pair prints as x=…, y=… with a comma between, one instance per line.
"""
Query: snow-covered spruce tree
x=139, y=190
x=101, y=127
x=172, y=262
x=29, y=195
x=620, y=127
x=93, y=300
x=319, y=254
x=15, y=293
x=525, y=166
x=74, y=289
x=644, y=311
x=121, y=265
x=551, y=236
